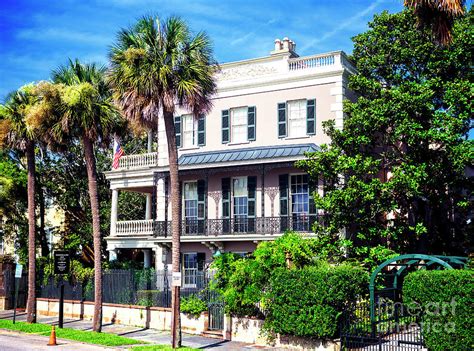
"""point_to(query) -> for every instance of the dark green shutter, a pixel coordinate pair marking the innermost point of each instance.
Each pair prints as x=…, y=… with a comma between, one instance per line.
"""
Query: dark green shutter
x=252, y=189
x=283, y=182
x=226, y=205
x=284, y=194
x=201, y=260
x=282, y=120
x=201, y=130
x=202, y=196
x=251, y=122
x=177, y=128
x=201, y=190
x=311, y=117
x=225, y=126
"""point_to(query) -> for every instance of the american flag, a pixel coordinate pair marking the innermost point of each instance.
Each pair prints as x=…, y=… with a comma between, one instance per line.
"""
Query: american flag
x=118, y=152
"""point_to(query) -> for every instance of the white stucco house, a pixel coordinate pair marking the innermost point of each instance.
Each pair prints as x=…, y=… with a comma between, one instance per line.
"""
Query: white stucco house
x=239, y=185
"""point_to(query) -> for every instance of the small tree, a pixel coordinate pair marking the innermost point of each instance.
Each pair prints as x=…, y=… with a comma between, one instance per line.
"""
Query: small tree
x=15, y=134
x=395, y=174
x=86, y=113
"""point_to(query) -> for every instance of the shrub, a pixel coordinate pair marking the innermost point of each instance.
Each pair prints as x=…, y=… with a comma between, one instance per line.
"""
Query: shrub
x=193, y=305
x=446, y=297
x=243, y=281
x=309, y=301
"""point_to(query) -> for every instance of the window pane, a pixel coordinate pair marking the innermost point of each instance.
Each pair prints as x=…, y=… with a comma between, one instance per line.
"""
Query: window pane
x=297, y=118
x=240, y=186
x=239, y=124
x=188, y=130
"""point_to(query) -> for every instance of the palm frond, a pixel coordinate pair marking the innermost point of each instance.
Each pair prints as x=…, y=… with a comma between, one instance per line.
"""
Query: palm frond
x=439, y=15
x=156, y=65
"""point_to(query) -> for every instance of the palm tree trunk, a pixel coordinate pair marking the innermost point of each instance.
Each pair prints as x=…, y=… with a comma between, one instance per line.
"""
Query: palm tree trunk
x=42, y=214
x=175, y=224
x=94, y=199
x=31, y=304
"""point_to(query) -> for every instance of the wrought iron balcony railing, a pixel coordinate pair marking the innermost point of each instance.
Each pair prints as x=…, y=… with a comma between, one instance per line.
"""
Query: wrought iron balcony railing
x=241, y=226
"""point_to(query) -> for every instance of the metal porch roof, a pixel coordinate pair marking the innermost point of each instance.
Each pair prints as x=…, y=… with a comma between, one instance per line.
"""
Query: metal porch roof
x=247, y=154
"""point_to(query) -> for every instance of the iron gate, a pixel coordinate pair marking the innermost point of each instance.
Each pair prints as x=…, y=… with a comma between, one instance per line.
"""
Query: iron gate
x=215, y=304
x=395, y=328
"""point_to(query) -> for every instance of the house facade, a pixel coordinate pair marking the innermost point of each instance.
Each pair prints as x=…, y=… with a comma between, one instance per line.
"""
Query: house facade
x=239, y=185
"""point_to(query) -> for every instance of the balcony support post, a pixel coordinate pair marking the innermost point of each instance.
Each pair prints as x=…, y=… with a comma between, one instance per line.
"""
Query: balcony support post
x=146, y=258
x=112, y=255
x=149, y=141
x=113, y=213
x=148, y=208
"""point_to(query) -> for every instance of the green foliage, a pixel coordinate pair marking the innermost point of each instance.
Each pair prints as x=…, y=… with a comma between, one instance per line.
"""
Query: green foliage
x=288, y=283
x=77, y=273
x=309, y=301
x=13, y=204
x=89, y=337
x=193, y=305
x=446, y=297
x=411, y=117
x=148, y=297
x=242, y=281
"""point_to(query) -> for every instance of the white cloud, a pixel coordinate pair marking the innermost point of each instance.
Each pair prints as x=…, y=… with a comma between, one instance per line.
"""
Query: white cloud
x=354, y=20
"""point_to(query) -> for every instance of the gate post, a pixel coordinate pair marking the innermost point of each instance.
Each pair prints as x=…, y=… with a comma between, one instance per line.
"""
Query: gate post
x=227, y=327
x=372, y=309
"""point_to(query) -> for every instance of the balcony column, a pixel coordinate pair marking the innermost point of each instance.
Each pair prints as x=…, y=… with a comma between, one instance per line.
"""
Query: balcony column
x=113, y=213
x=150, y=141
x=146, y=258
x=148, y=206
x=112, y=255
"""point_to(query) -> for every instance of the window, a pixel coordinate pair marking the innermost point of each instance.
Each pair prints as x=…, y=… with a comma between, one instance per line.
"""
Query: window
x=240, y=204
x=191, y=206
x=238, y=117
x=296, y=118
x=299, y=188
x=189, y=133
x=190, y=265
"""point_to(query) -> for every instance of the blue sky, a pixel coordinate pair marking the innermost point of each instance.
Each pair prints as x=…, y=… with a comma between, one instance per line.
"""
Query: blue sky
x=36, y=36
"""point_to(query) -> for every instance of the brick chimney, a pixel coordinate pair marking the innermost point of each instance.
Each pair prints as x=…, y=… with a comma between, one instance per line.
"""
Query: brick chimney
x=285, y=46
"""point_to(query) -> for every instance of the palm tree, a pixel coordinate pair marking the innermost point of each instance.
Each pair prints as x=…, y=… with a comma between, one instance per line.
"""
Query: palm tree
x=156, y=66
x=15, y=134
x=89, y=115
x=439, y=15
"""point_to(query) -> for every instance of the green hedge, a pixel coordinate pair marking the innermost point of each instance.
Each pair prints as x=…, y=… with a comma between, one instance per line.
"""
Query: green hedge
x=447, y=299
x=193, y=305
x=309, y=301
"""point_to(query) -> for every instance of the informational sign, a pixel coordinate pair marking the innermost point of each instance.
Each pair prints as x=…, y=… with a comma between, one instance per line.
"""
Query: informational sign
x=18, y=270
x=62, y=262
x=176, y=279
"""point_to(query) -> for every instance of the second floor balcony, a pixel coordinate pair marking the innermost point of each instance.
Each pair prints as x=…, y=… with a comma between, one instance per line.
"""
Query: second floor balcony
x=221, y=227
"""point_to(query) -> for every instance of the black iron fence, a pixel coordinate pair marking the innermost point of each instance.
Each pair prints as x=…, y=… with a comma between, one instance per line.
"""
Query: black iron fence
x=225, y=226
x=145, y=287
x=9, y=282
x=393, y=327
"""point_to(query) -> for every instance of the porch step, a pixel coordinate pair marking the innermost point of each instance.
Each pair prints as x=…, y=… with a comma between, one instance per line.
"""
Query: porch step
x=215, y=334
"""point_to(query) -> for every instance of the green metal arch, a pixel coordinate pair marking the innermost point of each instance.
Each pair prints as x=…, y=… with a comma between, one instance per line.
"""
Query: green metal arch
x=443, y=261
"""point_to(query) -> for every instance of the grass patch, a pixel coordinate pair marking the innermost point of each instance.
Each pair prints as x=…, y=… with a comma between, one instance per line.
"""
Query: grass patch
x=90, y=337
x=160, y=348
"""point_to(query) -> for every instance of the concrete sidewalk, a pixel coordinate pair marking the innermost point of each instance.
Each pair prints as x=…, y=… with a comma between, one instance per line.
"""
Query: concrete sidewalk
x=149, y=335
